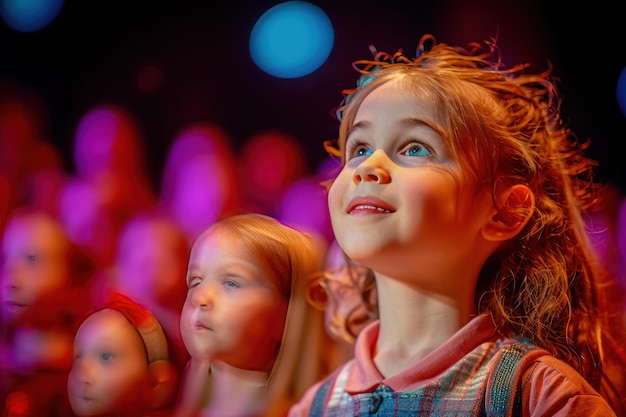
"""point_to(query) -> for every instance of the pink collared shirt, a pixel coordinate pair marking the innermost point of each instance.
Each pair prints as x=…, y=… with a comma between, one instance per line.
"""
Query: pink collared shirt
x=550, y=387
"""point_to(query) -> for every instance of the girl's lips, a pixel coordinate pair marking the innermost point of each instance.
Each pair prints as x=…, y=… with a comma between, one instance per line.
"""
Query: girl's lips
x=198, y=321
x=197, y=325
x=369, y=204
x=13, y=307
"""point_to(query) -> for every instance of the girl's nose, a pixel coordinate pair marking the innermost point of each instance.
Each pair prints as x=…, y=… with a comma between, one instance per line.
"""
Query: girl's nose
x=203, y=296
x=81, y=371
x=9, y=277
x=373, y=169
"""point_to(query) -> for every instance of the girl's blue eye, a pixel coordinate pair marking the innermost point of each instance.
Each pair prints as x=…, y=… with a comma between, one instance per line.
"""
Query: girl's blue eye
x=231, y=284
x=106, y=357
x=417, y=150
x=363, y=152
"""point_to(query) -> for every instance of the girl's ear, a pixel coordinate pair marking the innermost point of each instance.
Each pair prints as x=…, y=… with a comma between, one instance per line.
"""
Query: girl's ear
x=518, y=204
x=162, y=389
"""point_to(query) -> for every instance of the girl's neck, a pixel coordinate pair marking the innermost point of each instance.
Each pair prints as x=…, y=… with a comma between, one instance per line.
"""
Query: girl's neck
x=223, y=372
x=249, y=388
x=414, y=322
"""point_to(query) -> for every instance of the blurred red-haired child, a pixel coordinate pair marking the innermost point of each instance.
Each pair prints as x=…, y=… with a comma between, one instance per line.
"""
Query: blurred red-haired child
x=44, y=293
x=122, y=363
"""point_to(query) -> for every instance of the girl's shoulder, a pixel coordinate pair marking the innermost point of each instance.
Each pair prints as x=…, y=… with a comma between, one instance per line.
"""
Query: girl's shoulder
x=527, y=377
x=549, y=383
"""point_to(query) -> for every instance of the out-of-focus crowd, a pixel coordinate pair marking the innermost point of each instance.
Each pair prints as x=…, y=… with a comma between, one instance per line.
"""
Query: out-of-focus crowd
x=72, y=238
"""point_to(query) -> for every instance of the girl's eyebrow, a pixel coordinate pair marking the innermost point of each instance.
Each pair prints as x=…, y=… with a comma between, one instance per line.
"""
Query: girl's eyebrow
x=363, y=124
x=407, y=122
x=410, y=122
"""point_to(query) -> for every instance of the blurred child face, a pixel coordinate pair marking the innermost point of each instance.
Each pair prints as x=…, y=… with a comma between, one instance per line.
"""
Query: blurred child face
x=234, y=312
x=110, y=371
x=35, y=265
x=200, y=192
x=150, y=262
x=402, y=195
x=106, y=140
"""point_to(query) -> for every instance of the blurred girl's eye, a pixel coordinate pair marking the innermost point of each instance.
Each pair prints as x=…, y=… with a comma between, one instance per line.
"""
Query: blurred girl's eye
x=231, y=284
x=107, y=357
x=193, y=282
x=416, y=149
x=31, y=258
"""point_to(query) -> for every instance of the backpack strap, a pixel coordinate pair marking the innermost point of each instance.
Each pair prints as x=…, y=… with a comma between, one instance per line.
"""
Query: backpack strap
x=505, y=396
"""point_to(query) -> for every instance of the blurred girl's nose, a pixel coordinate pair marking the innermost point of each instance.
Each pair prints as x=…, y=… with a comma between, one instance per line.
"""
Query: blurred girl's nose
x=9, y=276
x=81, y=371
x=203, y=295
x=373, y=169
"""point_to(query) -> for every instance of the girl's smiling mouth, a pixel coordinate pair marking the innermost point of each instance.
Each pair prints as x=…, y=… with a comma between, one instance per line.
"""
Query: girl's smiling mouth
x=369, y=205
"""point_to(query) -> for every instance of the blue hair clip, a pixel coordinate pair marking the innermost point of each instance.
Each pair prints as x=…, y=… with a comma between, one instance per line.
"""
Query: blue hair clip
x=369, y=67
x=363, y=80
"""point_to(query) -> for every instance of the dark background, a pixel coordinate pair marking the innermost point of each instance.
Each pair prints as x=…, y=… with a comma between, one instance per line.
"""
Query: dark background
x=95, y=50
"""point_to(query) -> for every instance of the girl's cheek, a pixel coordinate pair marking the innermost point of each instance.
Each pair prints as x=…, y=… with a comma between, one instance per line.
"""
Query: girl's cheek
x=336, y=194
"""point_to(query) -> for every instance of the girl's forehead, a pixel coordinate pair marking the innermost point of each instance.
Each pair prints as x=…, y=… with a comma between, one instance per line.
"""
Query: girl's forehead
x=398, y=91
x=107, y=322
x=216, y=239
x=420, y=96
x=37, y=232
x=393, y=105
x=217, y=246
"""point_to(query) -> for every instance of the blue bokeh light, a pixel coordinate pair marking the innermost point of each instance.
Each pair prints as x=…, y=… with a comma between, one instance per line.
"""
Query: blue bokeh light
x=621, y=91
x=29, y=15
x=291, y=39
